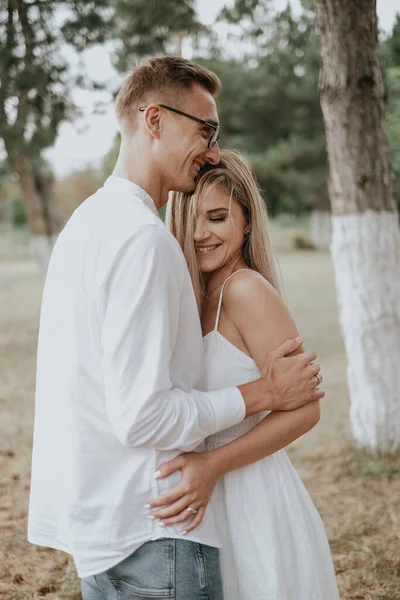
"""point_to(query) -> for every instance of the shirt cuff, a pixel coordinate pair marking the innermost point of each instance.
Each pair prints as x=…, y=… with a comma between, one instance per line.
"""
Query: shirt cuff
x=229, y=408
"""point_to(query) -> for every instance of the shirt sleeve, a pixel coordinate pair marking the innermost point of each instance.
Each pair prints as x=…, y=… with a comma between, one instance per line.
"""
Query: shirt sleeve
x=139, y=328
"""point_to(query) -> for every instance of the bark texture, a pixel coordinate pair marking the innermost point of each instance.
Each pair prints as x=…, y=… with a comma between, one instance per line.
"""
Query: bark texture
x=353, y=104
x=365, y=226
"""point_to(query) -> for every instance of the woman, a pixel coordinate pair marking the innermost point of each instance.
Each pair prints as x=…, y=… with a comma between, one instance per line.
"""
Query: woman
x=275, y=545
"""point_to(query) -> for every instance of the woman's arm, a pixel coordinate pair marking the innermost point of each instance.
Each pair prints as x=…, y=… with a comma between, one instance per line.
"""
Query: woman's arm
x=262, y=322
x=273, y=433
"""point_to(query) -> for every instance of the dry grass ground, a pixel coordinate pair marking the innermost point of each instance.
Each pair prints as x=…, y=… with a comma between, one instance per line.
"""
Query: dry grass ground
x=357, y=493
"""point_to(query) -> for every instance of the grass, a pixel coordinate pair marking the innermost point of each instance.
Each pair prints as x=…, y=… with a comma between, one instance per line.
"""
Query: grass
x=357, y=495
x=355, y=491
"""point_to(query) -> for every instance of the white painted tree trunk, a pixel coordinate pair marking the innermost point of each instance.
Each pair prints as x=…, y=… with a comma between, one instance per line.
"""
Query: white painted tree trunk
x=366, y=256
x=365, y=222
x=320, y=229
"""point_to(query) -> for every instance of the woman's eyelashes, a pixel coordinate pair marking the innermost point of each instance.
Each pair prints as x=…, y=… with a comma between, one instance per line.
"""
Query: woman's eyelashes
x=216, y=219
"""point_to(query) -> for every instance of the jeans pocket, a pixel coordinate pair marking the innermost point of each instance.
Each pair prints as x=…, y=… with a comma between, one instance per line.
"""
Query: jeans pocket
x=147, y=574
x=97, y=587
x=127, y=591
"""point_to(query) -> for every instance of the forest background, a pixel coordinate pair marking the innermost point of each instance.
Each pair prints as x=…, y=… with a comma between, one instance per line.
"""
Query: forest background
x=269, y=107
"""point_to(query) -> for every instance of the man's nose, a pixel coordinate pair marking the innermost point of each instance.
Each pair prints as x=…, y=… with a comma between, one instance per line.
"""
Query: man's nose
x=212, y=154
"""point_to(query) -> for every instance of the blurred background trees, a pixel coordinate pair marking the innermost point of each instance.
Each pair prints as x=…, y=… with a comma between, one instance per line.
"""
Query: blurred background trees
x=269, y=106
x=148, y=27
x=35, y=98
x=391, y=57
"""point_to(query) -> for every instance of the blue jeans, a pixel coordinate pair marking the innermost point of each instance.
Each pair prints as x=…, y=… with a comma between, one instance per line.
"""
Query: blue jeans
x=167, y=568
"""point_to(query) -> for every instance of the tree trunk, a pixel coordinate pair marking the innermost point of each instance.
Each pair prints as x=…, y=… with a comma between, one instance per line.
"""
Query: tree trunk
x=42, y=223
x=179, y=40
x=365, y=226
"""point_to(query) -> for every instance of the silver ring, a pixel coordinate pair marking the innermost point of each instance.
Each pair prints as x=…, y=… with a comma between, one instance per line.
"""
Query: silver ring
x=192, y=510
x=318, y=376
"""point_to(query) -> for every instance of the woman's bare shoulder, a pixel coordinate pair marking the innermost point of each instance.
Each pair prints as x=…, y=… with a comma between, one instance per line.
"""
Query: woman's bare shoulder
x=249, y=288
x=258, y=313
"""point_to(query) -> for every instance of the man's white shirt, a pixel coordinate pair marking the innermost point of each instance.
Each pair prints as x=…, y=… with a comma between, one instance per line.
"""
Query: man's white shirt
x=120, y=361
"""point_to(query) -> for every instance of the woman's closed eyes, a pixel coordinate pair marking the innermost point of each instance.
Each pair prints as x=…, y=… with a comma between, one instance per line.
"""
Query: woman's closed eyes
x=216, y=219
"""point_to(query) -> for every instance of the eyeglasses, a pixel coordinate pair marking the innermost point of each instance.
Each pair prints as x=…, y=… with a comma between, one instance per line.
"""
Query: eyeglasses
x=216, y=128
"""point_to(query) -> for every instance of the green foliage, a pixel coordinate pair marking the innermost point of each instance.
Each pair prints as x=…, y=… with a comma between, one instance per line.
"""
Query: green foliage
x=275, y=116
x=89, y=22
x=393, y=120
x=392, y=44
x=269, y=107
x=35, y=79
x=151, y=27
x=242, y=9
x=391, y=58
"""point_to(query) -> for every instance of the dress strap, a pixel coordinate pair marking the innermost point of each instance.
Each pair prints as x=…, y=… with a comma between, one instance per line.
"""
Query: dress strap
x=220, y=297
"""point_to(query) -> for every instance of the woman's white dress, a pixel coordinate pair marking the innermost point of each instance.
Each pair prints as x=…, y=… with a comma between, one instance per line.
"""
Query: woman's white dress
x=274, y=542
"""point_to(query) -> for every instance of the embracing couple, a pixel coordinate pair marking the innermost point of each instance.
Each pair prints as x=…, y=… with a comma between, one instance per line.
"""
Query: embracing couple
x=170, y=374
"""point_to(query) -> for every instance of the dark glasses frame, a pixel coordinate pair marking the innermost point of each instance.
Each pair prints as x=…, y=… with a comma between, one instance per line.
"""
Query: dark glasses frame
x=216, y=133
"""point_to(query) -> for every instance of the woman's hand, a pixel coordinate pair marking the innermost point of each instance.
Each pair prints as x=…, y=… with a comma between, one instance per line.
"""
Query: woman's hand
x=200, y=473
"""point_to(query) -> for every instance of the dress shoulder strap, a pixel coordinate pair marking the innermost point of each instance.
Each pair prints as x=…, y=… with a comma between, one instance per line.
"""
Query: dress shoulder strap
x=220, y=296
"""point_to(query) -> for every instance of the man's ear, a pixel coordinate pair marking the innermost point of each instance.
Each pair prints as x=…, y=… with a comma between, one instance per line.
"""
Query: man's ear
x=152, y=118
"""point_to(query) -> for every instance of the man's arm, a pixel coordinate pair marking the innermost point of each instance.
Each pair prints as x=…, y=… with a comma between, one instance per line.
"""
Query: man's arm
x=139, y=316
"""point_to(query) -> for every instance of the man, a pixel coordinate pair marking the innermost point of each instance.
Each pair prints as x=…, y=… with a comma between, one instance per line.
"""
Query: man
x=120, y=354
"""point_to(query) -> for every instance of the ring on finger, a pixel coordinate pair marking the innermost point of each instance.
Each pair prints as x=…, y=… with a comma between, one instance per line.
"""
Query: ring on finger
x=192, y=510
x=318, y=376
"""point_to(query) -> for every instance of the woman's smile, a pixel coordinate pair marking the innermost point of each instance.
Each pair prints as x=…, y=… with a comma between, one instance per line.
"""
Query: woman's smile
x=206, y=249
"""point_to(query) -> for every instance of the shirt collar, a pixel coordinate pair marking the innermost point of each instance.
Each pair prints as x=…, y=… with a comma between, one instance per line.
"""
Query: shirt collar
x=132, y=189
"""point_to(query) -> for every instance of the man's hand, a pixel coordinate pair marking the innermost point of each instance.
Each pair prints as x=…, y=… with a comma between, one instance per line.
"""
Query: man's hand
x=291, y=376
x=288, y=380
x=199, y=476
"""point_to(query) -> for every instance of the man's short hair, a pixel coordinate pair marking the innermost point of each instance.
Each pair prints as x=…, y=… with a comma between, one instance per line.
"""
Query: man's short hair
x=161, y=79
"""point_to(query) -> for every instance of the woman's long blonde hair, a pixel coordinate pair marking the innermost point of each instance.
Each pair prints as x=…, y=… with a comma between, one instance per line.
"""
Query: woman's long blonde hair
x=234, y=174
